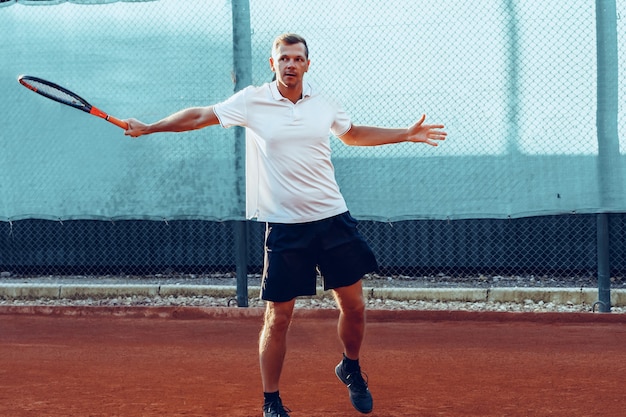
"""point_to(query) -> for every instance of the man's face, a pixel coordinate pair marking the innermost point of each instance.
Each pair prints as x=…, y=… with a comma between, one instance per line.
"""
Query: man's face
x=289, y=62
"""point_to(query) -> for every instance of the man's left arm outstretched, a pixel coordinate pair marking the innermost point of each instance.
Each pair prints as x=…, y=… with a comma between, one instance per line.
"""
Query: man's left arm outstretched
x=374, y=136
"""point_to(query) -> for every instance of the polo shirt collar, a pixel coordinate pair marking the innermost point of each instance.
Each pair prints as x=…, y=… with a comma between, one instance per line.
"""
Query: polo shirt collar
x=306, y=90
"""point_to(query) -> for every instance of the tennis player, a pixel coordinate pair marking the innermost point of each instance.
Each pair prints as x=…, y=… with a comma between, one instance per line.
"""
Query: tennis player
x=291, y=186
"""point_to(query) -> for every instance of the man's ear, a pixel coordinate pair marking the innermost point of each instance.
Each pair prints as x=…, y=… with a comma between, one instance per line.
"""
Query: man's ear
x=272, y=64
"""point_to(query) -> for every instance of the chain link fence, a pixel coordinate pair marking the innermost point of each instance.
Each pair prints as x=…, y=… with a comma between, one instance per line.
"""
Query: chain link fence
x=516, y=189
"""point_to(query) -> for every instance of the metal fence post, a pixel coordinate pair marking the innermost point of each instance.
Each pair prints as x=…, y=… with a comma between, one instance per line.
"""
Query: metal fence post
x=604, y=264
x=609, y=170
x=242, y=69
x=513, y=96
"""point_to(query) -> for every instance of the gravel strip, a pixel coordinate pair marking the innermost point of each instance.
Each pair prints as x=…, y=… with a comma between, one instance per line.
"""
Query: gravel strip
x=372, y=280
x=321, y=302
x=312, y=302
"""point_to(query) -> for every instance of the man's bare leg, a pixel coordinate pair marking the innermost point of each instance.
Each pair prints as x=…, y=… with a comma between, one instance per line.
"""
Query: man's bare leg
x=351, y=329
x=351, y=324
x=273, y=342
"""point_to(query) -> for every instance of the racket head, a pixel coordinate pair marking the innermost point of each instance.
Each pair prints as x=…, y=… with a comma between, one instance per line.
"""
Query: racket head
x=54, y=92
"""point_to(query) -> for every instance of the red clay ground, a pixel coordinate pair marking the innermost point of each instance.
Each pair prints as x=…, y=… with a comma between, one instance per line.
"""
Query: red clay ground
x=193, y=362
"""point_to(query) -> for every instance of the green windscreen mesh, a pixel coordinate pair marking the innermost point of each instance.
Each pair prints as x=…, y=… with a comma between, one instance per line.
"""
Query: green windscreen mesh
x=515, y=83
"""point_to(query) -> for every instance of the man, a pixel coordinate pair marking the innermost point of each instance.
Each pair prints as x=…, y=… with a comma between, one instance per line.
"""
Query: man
x=291, y=186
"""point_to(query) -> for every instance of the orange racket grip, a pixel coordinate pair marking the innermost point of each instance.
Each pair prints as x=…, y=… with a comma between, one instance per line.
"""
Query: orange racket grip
x=117, y=122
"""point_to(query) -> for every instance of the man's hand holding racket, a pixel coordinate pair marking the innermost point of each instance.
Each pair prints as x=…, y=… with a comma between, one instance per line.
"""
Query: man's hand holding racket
x=136, y=128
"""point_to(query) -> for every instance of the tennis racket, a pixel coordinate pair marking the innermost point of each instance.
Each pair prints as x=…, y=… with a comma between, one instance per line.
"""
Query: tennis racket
x=62, y=95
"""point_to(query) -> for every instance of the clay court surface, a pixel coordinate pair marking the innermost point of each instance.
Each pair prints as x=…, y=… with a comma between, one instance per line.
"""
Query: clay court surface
x=203, y=362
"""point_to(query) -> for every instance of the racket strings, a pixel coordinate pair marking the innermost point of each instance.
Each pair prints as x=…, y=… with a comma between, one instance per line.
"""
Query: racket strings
x=56, y=94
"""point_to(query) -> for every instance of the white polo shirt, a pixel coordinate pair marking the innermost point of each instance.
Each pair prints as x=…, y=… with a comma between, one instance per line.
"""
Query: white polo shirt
x=289, y=174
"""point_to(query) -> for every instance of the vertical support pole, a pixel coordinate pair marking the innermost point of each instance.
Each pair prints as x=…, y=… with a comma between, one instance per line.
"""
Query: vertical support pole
x=604, y=264
x=609, y=169
x=513, y=90
x=242, y=69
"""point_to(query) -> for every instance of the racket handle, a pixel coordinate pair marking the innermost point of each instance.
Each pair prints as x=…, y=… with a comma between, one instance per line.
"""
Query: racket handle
x=117, y=122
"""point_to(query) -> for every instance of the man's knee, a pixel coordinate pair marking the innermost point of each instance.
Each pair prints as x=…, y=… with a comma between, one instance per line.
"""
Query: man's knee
x=350, y=299
x=354, y=310
x=278, y=316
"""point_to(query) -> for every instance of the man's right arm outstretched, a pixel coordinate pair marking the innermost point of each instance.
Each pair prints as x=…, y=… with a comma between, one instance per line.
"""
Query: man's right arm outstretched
x=192, y=118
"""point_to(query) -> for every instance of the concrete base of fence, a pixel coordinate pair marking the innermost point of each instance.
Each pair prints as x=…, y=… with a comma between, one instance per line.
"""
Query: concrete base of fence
x=560, y=296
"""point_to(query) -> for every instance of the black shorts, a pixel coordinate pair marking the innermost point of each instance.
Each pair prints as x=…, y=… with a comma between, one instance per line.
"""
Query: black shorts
x=295, y=252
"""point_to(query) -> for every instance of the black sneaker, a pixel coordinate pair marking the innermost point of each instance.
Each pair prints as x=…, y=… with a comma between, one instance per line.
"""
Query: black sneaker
x=360, y=395
x=275, y=409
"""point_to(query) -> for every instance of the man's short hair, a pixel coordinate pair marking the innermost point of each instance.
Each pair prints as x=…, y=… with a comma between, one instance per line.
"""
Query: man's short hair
x=290, y=39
